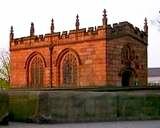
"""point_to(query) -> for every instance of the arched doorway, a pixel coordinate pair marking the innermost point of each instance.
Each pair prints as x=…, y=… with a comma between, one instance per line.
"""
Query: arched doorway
x=36, y=72
x=127, y=59
x=69, y=70
x=127, y=77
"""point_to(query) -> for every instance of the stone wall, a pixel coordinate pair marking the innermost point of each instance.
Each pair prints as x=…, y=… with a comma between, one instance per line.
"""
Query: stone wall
x=75, y=106
x=4, y=108
x=97, y=51
x=23, y=105
x=114, y=60
x=88, y=47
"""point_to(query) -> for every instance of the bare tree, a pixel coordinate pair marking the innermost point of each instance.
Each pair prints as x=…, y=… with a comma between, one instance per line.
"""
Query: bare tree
x=4, y=68
x=156, y=21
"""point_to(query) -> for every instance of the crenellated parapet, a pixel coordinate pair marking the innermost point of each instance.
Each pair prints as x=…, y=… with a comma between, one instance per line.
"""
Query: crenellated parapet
x=125, y=28
x=78, y=35
x=59, y=38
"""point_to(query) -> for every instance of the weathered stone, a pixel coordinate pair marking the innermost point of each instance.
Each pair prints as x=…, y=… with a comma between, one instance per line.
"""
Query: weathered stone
x=96, y=53
x=23, y=105
x=81, y=106
x=4, y=108
x=139, y=106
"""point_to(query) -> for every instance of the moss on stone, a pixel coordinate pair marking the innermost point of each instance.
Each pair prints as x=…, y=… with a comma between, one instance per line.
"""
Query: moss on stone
x=23, y=106
x=75, y=106
x=139, y=106
x=3, y=107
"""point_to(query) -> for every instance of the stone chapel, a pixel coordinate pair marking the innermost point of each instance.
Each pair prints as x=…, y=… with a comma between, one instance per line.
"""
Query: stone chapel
x=105, y=55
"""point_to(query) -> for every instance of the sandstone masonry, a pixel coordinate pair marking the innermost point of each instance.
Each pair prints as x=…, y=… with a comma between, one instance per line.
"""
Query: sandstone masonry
x=96, y=56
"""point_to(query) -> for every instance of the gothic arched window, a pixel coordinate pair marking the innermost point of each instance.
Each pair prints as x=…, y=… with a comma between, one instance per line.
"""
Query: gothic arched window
x=69, y=70
x=127, y=55
x=36, y=72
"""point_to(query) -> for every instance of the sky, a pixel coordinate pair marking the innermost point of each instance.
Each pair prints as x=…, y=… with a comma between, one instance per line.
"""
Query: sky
x=20, y=13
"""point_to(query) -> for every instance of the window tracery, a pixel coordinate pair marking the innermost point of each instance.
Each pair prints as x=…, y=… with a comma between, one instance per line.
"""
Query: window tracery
x=127, y=55
x=69, y=70
x=36, y=72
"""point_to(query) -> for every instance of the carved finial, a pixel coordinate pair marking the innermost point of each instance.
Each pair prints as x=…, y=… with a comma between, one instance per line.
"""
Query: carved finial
x=104, y=20
x=52, y=26
x=32, y=29
x=145, y=25
x=77, y=22
x=11, y=33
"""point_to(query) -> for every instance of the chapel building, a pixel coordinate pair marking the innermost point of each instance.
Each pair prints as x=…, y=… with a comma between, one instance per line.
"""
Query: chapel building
x=97, y=56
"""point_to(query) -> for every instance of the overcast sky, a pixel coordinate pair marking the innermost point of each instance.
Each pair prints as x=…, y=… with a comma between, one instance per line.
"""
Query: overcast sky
x=20, y=13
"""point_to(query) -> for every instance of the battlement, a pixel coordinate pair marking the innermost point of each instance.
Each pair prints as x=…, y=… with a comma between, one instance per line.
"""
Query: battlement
x=77, y=35
x=71, y=36
x=126, y=28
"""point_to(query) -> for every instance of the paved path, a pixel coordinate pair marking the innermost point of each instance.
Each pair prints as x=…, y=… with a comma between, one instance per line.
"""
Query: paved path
x=116, y=124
